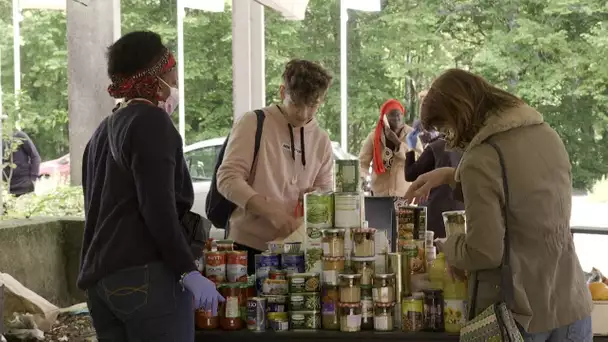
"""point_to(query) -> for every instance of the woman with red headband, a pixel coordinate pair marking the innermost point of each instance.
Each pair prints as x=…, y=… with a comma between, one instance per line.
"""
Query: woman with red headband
x=136, y=265
x=385, y=150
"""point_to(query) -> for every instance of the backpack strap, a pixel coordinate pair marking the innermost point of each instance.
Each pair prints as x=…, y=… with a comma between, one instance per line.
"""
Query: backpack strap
x=258, y=139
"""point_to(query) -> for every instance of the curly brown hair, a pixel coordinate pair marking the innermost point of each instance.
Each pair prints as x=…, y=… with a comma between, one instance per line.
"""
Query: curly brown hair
x=306, y=82
x=458, y=104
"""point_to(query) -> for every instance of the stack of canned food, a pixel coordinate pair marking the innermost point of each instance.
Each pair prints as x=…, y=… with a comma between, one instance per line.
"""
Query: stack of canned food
x=227, y=268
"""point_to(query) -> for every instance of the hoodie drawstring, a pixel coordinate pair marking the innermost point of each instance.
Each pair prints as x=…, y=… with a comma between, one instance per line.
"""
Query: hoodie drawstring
x=293, y=151
x=302, y=146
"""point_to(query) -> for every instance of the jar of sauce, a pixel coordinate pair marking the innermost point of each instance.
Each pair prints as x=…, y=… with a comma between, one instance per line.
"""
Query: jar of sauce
x=206, y=321
x=230, y=312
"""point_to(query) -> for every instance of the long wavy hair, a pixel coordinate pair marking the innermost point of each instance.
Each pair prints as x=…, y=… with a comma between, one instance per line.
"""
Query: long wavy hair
x=458, y=104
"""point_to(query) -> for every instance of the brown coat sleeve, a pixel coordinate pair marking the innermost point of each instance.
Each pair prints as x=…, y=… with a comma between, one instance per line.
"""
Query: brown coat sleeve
x=482, y=246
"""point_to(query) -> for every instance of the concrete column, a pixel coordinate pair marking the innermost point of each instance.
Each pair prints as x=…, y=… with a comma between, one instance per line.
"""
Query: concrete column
x=248, y=57
x=90, y=30
x=241, y=57
x=258, y=56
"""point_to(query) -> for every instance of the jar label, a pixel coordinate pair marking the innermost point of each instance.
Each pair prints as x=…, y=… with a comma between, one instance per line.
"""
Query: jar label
x=329, y=308
x=367, y=308
x=382, y=295
x=454, y=314
x=236, y=273
x=330, y=277
x=353, y=321
x=232, y=307
x=325, y=246
x=382, y=323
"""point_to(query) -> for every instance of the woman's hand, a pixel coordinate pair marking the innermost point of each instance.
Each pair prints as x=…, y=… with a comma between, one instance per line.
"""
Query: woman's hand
x=419, y=190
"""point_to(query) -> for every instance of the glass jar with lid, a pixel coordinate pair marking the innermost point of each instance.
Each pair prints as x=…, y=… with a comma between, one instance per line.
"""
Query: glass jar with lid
x=206, y=321
x=350, y=288
x=329, y=308
x=332, y=266
x=364, y=242
x=366, y=267
x=367, y=308
x=350, y=317
x=230, y=318
x=383, y=316
x=332, y=242
x=384, y=288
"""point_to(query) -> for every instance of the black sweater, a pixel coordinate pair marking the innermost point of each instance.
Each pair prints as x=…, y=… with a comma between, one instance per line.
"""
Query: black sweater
x=132, y=209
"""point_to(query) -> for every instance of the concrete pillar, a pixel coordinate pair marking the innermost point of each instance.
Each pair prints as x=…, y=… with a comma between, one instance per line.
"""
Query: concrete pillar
x=91, y=28
x=258, y=56
x=248, y=56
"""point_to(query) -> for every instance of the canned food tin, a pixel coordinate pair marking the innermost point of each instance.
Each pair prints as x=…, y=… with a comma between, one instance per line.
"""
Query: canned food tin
x=347, y=210
x=347, y=175
x=279, y=324
x=256, y=314
x=266, y=262
x=406, y=223
x=421, y=222
x=215, y=266
x=304, y=282
x=276, y=304
x=293, y=263
x=277, y=274
x=319, y=209
x=236, y=266
x=274, y=287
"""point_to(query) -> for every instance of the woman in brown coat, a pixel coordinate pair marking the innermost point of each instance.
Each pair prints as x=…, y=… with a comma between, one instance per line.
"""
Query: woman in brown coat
x=548, y=297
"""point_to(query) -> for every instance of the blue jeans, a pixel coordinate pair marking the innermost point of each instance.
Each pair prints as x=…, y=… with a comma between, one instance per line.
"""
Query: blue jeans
x=579, y=331
x=144, y=303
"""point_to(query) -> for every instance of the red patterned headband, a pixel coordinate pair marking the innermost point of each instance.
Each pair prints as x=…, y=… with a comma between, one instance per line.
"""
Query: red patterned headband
x=143, y=84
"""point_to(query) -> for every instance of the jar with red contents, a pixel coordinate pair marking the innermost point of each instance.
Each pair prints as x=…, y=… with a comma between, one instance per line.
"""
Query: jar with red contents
x=230, y=312
x=206, y=321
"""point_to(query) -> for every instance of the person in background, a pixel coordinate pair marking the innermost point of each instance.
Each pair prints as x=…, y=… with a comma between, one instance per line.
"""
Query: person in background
x=549, y=298
x=136, y=266
x=440, y=198
x=434, y=156
x=295, y=156
x=26, y=162
x=384, y=148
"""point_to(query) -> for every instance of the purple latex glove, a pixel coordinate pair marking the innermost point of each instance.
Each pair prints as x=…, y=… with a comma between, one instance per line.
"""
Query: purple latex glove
x=412, y=139
x=417, y=126
x=205, y=294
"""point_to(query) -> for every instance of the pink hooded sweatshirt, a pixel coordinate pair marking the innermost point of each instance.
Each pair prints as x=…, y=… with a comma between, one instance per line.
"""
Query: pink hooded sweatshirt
x=290, y=161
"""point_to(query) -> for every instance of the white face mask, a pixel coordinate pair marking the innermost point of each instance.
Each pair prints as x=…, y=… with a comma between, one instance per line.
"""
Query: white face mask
x=171, y=102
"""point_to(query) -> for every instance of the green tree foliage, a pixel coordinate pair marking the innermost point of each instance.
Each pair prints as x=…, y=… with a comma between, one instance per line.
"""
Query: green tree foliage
x=549, y=52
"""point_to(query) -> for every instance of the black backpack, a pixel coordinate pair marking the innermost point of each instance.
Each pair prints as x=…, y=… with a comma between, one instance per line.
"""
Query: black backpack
x=217, y=207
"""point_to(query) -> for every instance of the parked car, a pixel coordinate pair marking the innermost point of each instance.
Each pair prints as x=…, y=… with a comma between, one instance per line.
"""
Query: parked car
x=57, y=167
x=201, y=158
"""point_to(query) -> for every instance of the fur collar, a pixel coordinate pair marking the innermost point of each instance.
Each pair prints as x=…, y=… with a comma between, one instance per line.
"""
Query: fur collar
x=506, y=120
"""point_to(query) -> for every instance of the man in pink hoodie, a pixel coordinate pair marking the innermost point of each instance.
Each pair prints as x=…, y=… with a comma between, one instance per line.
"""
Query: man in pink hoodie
x=295, y=156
